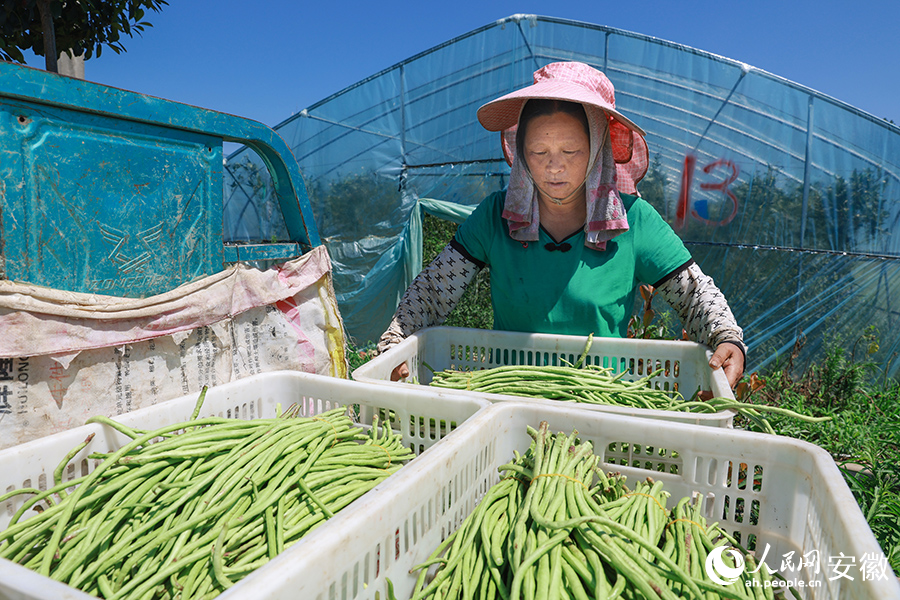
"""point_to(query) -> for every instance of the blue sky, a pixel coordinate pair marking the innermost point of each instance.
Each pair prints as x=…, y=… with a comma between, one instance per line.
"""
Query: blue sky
x=269, y=59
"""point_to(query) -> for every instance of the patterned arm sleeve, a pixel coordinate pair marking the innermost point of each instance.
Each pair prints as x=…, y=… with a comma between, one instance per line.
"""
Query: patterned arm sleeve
x=702, y=308
x=430, y=297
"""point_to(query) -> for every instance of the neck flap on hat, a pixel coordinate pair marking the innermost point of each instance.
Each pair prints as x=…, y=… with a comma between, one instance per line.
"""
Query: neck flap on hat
x=605, y=212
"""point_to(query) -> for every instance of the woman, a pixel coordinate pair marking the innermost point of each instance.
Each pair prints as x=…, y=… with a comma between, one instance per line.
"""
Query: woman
x=569, y=242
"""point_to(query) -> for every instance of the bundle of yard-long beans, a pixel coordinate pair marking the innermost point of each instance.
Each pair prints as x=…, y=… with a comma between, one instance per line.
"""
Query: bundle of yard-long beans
x=547, y=529
x=187, y=510
x=593, y=384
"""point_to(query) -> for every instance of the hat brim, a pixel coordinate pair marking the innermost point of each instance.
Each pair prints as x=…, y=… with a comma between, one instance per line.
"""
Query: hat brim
x=503, y=113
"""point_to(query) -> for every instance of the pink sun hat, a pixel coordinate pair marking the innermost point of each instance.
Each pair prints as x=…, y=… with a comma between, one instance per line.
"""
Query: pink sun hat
x=575, y=82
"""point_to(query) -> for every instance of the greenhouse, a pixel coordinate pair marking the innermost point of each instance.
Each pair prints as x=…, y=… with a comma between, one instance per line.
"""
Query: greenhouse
x=786, y=196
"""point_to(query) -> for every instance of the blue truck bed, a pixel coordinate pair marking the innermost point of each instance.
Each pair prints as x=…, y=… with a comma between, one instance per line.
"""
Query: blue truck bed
x=108, y=191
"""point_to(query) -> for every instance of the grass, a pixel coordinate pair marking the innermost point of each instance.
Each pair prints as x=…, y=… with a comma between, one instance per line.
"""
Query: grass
x=359, y=355
x=863, y=436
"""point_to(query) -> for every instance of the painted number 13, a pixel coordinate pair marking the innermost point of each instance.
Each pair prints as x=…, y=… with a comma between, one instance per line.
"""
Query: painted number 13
x=699, y=210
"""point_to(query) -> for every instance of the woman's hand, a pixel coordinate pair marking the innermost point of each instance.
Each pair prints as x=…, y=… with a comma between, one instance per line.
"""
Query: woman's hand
x=400, y=372
x=731, y=359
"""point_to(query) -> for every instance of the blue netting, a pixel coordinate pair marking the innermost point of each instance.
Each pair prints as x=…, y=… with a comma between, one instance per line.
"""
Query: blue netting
x=801, y=240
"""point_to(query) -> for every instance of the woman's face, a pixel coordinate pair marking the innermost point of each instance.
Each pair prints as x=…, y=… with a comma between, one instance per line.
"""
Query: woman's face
x=557, y=152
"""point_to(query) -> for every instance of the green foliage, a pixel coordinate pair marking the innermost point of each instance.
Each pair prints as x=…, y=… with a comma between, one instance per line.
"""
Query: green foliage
x=648, y=322
x=836, y=383
x=874, y=479
x=84, y=27
x=359, y=355
x=474, y=309
x=436, y=233
x=863, y=435
x=852, y=206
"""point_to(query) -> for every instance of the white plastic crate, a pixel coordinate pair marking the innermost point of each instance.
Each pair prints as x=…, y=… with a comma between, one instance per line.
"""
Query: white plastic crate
x=685, y=364
x=422, y=417
x=802, y=501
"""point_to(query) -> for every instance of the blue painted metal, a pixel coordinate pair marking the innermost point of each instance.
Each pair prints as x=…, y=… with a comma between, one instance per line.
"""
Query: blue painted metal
x=109, y=191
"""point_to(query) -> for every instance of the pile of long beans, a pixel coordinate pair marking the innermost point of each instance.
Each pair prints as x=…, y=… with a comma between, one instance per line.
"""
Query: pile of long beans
x=556, y=526
x=590, y=384
x=593, y=384
x=187, y=510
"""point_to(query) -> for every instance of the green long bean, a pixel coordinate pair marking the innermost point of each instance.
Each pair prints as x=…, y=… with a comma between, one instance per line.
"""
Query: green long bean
x=188, y=509
x=592, y=384
x=556, y=526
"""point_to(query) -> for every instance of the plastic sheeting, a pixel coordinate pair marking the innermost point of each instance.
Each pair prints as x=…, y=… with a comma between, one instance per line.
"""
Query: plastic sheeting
x=789, y=198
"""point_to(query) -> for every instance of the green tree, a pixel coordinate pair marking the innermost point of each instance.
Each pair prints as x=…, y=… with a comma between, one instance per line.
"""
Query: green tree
x=47, y=26
x=849, y=211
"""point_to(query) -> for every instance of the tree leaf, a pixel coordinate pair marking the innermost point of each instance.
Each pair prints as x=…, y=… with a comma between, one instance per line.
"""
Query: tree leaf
x=84, y=26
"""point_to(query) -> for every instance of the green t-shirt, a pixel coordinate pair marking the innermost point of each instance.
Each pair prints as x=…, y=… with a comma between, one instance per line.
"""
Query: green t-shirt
x=578, y=291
